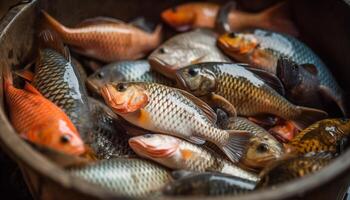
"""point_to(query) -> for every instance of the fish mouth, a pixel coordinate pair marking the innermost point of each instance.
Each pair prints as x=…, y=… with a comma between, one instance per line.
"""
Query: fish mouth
x=153, y=151
x=162, y=67
x=109, y=99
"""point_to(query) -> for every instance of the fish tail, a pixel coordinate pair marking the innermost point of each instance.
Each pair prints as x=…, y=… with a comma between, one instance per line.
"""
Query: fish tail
x=53, y=23
x=307, y=117
x=235, y=146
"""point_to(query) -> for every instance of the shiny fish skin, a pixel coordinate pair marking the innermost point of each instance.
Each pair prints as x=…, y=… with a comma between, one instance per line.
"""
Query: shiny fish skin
x=59, y=81
x=109, y=137
x=241, y=123
x=126, y=177
x=208, y=184
x=125, y=71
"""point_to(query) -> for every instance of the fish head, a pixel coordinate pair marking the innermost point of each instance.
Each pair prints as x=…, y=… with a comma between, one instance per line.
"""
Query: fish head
x=238, y=43
x=60, y=135
x=103, y=76
x=262, y=151
x=124, y=97
x=179, y=17
x=198, y=80
x=157, y=147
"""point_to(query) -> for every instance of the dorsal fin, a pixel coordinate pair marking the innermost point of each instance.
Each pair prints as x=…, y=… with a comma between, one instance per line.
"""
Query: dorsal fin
x=211, y=115
x=99, y=21
x=51, y=40
x=30, y=88
x=310, y=68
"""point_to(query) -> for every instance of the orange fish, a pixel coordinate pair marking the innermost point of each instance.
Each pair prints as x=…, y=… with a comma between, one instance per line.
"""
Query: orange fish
x=107, y=39
x=208, y=15
x=39, y=120
x=285, y=131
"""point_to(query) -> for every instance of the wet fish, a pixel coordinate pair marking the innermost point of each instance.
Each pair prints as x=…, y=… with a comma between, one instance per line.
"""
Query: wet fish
x=208, y=184
x=262, y=148
x=327, y=135
x=227, y=85
x=58, y=80
x=262, y=49
x=209, y=15
x=110, y=139
x=40, y=121
x=126, y=177
x=284, y=131
x=125, y=71
x=171, y=111
x=107, y=39
x=178, y=154
x=183, y=49
x=289, y=169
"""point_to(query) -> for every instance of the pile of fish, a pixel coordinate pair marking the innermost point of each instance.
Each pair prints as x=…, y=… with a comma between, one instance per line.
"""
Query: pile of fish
x=233, y=104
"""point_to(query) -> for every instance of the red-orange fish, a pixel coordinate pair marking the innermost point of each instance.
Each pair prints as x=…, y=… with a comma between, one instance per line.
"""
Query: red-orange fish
x=107, y=39
x=285, y=131
x=39, y=120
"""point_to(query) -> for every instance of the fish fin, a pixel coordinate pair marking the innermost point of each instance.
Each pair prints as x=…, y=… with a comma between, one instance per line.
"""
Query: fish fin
x=327, y=94
x=320, y=155
x=196, y=140
x=272, y=80
x=143, y=117
x=264, y=120
x=222, y=24
x=25, y=74
x=209, y=112
x=30, y=88
x=186, y=154
x=99, y=21
x=49, y=21
x=236, y=144
x=219, y=101
x=178, y=174
x=310, y=68
x=7, y=76
x=50, y=39
x=143, y=24
x=308, y=116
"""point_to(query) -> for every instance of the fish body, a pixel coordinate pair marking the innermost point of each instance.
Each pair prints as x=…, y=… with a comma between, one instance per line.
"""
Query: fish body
x=107, y=39
x=40, y=121
x=125, y=71
x=245, y=90
x=171, y=111
x=208, y=184
x=178, y=154
x=183, y=49
x=262, y=49
x=323, y=136
x=126, y=177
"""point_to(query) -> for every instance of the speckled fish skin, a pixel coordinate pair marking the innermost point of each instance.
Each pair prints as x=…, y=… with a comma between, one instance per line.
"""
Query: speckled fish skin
x=184, y=49
x=249, y=94
x=109, y=136
x=209, y=184
x=125, y=71
x=322, y=136
x=59, y=81
x=126, y=177
x=188, y=156
x=293, y=168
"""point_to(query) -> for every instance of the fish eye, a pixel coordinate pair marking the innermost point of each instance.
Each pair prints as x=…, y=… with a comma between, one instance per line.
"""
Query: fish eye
x=65, y=139
x=121, y=87
x=147, y=136
x=262, y=148
x=162, y=50
x=192, y=72
x=174, y=9
x=100, y=75
x=231, y=35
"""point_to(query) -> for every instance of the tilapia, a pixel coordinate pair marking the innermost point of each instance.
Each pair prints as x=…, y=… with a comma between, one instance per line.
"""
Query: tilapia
x=208, y=184
x=230, y=85
x=329, y=135
x=125, y=177
x=125, y=71
x=178, y=154
x=171, y=111
x=183, y=49
x=262, y=49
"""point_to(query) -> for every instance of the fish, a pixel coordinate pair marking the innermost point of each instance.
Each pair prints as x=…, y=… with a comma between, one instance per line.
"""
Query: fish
x=289, y=169
x=208, y=184
x=38, y=120
x=125, y=71
x=110, y=138
x=193, y=15
x=172, y=111
x=262, y=49
x=328, y=135
x=106, y=39
x=262, y=148
x=284, y=131
x=183, y=49
x=178, y=154
x=228, y=85
x=59, y=80
x=127, y=177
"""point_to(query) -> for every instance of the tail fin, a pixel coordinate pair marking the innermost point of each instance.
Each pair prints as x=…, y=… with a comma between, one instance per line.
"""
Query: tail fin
x=49, y=21
x=307, y=117
x=50, y=39
x=236, y=144
x=277, y=18
x=7, y=76
x=222, y=24
x=157, y=36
